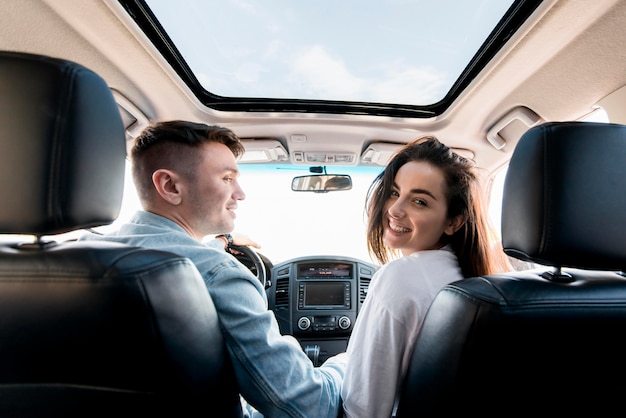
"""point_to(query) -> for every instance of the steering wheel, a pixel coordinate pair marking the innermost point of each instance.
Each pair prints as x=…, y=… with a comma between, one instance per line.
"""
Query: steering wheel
x=251, y=259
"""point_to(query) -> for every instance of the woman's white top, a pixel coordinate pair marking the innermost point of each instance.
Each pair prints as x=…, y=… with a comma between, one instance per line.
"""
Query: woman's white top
x=384, y=333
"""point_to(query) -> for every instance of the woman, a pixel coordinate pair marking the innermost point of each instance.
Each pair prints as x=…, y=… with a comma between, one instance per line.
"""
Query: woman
x=424, y=212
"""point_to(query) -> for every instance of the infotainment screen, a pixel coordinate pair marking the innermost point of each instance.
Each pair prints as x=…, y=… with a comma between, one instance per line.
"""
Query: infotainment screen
x=324, y=270
x=324, y=294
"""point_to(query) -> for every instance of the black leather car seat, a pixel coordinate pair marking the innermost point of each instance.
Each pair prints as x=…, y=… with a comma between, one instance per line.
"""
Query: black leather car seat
x=549, y=340
x=90, y=328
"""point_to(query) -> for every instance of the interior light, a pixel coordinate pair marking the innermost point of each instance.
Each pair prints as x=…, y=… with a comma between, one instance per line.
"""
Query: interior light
x=344, y=158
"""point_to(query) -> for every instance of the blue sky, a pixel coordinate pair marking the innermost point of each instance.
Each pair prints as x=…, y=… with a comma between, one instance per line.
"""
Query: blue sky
x=383, y=51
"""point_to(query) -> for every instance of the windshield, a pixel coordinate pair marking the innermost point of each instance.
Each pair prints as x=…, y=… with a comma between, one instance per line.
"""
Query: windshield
x=291, y=224
x=288, y=224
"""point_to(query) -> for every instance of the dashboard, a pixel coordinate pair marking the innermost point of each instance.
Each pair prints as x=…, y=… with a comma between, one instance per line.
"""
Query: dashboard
x=317, y=300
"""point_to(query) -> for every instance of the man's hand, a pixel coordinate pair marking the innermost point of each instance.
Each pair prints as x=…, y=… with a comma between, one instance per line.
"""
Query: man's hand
x=240, y=239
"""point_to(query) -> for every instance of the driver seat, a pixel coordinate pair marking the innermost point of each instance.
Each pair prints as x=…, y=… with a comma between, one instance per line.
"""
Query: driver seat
x=547, y=341
x=90, y=328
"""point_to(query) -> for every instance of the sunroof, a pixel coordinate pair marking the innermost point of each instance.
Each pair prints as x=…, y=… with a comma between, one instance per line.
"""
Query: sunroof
x=400, y=53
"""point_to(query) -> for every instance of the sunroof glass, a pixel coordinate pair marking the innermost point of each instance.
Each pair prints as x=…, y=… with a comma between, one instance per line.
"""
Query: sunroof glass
x=395, y=51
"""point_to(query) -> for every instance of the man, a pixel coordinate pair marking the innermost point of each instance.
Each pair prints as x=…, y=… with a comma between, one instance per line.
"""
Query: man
x=186, y=177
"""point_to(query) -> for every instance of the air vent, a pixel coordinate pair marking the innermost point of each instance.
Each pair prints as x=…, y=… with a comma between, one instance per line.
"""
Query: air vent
x=282, y=294
x=364, y=284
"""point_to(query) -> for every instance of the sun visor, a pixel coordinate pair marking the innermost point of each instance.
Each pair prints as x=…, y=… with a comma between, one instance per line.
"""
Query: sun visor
x=263, y=151
x=379, y=153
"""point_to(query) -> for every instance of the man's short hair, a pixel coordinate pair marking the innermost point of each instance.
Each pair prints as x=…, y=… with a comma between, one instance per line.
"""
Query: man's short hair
x=172, y=145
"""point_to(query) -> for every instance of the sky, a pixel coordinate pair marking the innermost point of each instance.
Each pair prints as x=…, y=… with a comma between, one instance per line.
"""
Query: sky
x=404, y=51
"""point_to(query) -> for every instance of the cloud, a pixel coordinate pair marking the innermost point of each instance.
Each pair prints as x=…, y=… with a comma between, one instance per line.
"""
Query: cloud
x=323, y=76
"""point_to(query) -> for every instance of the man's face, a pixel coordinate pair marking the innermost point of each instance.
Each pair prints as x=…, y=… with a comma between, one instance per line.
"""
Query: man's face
x=210, y=201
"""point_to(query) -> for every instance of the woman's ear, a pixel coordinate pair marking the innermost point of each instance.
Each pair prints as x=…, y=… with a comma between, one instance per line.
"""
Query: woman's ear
x=167, y=185
x=454, y=224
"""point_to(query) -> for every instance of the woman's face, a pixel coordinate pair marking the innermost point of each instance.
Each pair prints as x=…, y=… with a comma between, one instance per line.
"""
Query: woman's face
x=416, y=212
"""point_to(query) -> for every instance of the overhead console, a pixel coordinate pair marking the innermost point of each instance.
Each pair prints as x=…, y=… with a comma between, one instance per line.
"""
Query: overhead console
x=317, y=300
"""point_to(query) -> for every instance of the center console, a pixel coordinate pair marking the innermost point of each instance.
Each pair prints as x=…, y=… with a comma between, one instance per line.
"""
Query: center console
x=317, y=301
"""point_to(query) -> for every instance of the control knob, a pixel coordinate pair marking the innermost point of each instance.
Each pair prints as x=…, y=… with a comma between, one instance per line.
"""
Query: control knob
x=304, y=323
x=344, y=322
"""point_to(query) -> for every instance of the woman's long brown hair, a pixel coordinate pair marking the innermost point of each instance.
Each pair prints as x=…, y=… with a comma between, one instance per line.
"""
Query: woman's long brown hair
x=473, y=243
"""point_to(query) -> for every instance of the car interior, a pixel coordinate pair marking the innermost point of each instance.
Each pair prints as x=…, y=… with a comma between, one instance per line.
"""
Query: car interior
x=536, y=100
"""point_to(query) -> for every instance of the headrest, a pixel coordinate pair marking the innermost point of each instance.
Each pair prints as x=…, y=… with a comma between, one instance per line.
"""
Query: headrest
x=62, y=147
x=564, y=198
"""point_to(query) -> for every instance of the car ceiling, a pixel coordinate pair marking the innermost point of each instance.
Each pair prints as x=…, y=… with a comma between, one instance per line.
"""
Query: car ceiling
x=567, y=58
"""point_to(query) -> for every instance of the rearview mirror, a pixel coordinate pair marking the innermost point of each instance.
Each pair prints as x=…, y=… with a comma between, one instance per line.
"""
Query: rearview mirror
x=321, y=183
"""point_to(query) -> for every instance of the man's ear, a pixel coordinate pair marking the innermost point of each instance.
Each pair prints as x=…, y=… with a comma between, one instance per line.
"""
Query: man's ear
x=454, y=224
x=168, y=186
